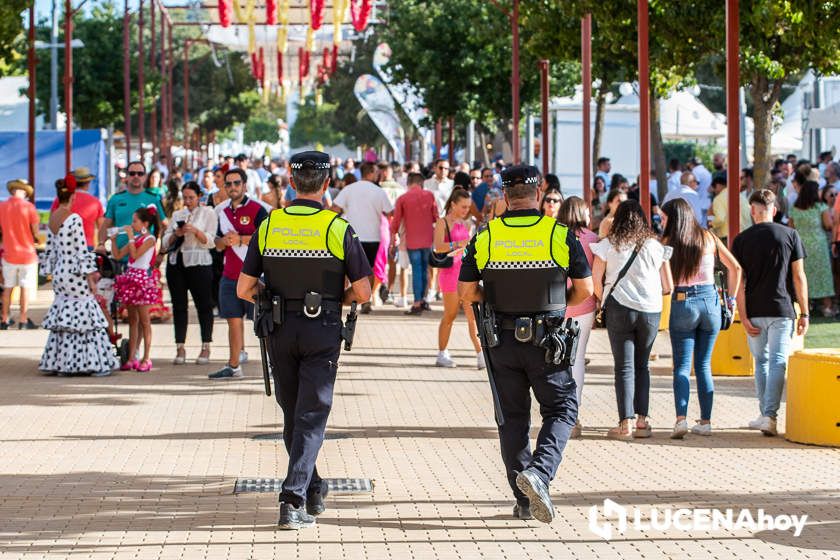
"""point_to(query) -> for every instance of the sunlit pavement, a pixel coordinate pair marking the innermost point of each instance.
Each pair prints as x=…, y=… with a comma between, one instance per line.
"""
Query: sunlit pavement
x=144, y=465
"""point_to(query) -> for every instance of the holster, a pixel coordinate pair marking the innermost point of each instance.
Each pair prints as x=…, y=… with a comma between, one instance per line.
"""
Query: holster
x=489, y=326
x=266, y=313
x=348, y=329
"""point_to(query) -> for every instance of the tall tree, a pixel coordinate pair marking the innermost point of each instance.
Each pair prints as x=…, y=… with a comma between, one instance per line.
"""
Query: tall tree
x=780, y=39
x=457, y=54
x=11, y=28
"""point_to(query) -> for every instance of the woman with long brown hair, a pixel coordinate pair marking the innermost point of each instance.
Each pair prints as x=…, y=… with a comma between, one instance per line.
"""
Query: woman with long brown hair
x=695, y=309
x=630, y=274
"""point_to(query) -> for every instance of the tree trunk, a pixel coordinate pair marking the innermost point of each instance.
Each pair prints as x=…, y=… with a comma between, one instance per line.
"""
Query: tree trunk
x=657, y=147
x=600, y=106
x=765, y=95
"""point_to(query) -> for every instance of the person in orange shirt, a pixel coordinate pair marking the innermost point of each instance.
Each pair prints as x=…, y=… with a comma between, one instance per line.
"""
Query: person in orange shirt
x=18, y=226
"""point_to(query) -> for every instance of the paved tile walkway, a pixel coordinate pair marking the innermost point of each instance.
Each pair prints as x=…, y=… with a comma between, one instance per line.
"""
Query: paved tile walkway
x=144, y=465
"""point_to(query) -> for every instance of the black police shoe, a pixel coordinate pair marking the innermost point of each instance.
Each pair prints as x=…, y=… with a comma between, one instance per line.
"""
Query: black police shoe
x=532, y=485
x=292, y=518
x=522, y=511
x=315, y=499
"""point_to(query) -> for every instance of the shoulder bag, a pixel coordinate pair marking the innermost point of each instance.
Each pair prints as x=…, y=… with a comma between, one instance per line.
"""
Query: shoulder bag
x=725, y=312
x=442, y=260
x=601, y=315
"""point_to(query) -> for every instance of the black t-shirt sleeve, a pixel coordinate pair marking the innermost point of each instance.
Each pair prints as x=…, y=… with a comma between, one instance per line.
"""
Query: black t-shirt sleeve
x=469, y=267
x=797, y=249
x=355, y=261
x=253, y=265
x=578, y=265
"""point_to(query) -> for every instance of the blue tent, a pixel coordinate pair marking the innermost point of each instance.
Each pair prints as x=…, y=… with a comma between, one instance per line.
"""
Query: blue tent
x=88, y=151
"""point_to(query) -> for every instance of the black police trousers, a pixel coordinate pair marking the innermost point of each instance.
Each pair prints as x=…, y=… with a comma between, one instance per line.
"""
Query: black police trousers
x=517, y=369
x=304, y=359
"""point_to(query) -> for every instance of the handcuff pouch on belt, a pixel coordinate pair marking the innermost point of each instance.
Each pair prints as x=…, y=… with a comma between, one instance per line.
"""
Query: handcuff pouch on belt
x=312, y=305
x=558, y=336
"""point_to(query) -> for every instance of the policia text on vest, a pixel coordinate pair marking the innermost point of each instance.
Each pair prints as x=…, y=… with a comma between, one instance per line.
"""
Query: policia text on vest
x=523, y=261
x=306, y=255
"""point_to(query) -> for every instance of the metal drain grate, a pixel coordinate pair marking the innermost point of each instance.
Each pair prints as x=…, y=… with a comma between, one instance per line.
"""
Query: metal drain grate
x=336, y=485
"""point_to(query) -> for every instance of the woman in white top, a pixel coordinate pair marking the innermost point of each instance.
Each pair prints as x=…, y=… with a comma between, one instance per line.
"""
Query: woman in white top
x=695, y=309
x=632, y=305
x=189, y=268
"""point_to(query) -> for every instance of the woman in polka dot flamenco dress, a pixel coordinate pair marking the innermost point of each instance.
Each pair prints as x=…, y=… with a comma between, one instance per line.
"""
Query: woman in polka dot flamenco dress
x=78, y=342
x=137, y=288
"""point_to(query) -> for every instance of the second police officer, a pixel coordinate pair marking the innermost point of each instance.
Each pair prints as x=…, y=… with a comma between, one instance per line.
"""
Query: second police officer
x=305, y=253
x=524, y=260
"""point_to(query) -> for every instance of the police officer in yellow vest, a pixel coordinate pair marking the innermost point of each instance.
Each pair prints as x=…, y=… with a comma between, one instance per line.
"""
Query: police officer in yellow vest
x=306, y=254
x=524, y=260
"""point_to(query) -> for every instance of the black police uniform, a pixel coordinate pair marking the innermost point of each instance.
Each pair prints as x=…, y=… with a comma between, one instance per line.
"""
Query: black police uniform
x=519, y=367
x=304, y=351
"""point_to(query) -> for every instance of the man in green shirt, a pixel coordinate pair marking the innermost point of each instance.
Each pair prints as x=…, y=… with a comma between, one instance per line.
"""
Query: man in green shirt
x=122, y=205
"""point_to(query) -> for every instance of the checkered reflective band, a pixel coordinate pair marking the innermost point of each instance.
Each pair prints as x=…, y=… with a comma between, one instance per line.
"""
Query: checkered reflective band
x=274, y=485
x=311, y=163
x=516, y=265
x=298, y=253
x=532, y=180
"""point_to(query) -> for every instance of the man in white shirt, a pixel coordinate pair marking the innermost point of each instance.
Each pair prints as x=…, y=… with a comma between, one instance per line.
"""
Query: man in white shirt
x=363, y=204
x=674, y=174
x=688, y=192
x=440, y=184
x=603, y=168
x=254, y=188
x=704, y=181
x=832, y=174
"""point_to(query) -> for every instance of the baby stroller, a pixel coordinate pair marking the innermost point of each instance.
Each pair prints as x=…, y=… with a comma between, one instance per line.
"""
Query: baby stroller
x=108, y=269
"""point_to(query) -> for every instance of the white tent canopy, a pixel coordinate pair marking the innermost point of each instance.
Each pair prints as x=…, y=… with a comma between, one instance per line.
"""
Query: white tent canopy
x=682, y=117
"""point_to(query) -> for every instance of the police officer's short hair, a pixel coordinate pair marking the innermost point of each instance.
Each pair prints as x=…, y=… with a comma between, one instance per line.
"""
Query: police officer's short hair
x=309, y=171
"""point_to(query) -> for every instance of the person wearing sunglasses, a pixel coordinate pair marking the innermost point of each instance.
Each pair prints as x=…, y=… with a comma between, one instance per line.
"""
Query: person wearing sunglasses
x=440, y=184
x=552, y=199
x=122, y=206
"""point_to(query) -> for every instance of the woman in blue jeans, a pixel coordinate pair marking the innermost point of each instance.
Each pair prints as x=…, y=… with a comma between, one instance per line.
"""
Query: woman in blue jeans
x=695, y=309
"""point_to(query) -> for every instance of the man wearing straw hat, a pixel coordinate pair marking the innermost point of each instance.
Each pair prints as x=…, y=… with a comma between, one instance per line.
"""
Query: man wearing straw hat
x=87, y=206
x=19, y=227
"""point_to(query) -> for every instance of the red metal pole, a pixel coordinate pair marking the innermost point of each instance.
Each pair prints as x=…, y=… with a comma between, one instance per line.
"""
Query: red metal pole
x=141, y=80
x=586, y=80
x=31, y=120
x=169, y=65
x=152, y=56
x=546, y=131
x=186, y=91
x=127, y=84
x=164, y=85
x=68, y=85
x=438, y=137
x=644, y=107
x=451, y=149
x=733, y=120
x=514, y=80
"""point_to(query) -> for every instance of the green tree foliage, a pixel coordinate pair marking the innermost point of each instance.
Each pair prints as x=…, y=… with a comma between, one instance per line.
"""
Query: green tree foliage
x=98, y=79
x=11, y=34
x=457, y=54
x=781, y=39
x=340, y=118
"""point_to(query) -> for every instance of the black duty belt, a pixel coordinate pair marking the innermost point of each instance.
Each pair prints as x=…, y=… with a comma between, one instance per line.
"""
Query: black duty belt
x=508, y=322
x=296, y=305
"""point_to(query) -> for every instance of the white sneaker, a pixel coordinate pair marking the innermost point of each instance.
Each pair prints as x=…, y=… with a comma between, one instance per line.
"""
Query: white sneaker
x=399, y=302
x=243, y=357
x=443, y=360
x=768, y=428
x=702, y=429
x=680, y=429
x=757, y=423
x=479, y=361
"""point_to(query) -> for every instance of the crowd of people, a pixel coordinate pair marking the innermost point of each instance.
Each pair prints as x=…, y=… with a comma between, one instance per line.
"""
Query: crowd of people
x=191, y=230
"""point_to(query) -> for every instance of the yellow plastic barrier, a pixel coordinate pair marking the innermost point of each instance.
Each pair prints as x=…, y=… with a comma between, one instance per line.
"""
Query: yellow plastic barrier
x=731, y=355
x=665, y=318
x=813, y=397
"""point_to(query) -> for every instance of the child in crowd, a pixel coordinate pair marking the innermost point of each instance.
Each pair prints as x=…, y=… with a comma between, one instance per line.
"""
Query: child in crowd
x=136, y=287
